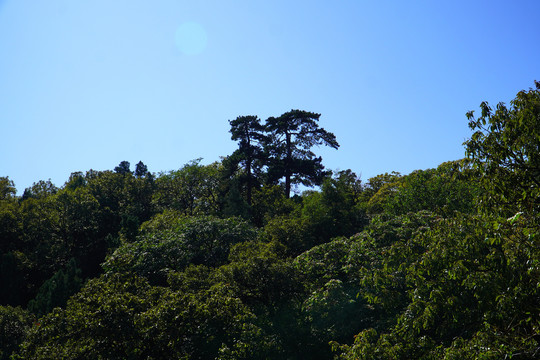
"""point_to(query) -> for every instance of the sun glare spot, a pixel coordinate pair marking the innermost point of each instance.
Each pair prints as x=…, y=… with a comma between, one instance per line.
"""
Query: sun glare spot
x=190, y=38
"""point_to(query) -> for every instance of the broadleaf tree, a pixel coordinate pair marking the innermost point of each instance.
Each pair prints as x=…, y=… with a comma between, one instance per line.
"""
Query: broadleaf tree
x=506, y=146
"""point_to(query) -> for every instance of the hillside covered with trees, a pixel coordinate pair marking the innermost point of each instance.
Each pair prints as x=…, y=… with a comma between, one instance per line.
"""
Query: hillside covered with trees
x=226, y=261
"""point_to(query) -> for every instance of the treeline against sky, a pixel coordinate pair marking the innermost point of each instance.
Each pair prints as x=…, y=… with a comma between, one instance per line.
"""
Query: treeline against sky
x=221, y=261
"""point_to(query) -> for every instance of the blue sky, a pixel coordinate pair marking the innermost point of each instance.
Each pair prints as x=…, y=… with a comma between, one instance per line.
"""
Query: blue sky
x=87, y=84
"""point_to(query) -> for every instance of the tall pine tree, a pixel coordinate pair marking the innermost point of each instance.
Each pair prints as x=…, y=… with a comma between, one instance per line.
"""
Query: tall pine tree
x=291, y=137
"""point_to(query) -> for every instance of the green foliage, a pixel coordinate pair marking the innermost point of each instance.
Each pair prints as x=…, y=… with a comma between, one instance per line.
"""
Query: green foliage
x=270, y=286
x=234, y=203
x=78, y=227
x=7, y=188
x=453, y=186
x=269, y=202
x=10, y=225
x=324, y=263
x=125, y=201
x=505, y=146
x=171, y=243
x=210, y=239
x=205, y=324
x=378, y=190
x=332, y=310
x=317, y=217
x=14, y=325
x=259, y=276
x=57, y=290
x=40, y=226
x=376, y=183
x=122, y=317
x=34, y=247
x=193, y=189
x=40, y=189
x=137, y=204
x=291, y=231
x=107, y=188
x=98, y=323
x=468, y=282
x=167, y=220
x=337, y=209
x=76, y=180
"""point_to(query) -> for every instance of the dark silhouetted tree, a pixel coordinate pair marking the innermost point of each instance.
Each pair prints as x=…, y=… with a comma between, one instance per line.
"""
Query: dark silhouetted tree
x=123, y=168
x=292, y=135
x=141, y=170
x=249, y=133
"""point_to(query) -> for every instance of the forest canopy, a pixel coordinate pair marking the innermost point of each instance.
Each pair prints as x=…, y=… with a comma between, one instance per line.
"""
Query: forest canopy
x=226, y=261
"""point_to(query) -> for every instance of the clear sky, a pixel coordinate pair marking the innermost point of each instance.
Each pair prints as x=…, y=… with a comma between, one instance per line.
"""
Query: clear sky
x=86, y=84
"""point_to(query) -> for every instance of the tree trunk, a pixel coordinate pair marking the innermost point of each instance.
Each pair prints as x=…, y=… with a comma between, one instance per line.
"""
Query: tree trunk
x=249, y=183
x=288, y=166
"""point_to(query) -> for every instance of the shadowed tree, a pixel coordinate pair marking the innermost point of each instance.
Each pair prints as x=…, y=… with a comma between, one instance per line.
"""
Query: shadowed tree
x=141, y=170
x=123, y=168
x=292, y=135
x=15, y=323
x=250, y=135
x=7, y=188
x=57, y=290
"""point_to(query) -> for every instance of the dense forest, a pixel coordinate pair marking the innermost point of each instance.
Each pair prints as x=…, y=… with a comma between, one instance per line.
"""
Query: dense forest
x=229, y=261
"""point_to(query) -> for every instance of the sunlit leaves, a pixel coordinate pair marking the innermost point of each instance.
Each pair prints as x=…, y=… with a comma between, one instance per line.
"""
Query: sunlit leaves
x=177, y=242
x=505, y=145
x=193, y=189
